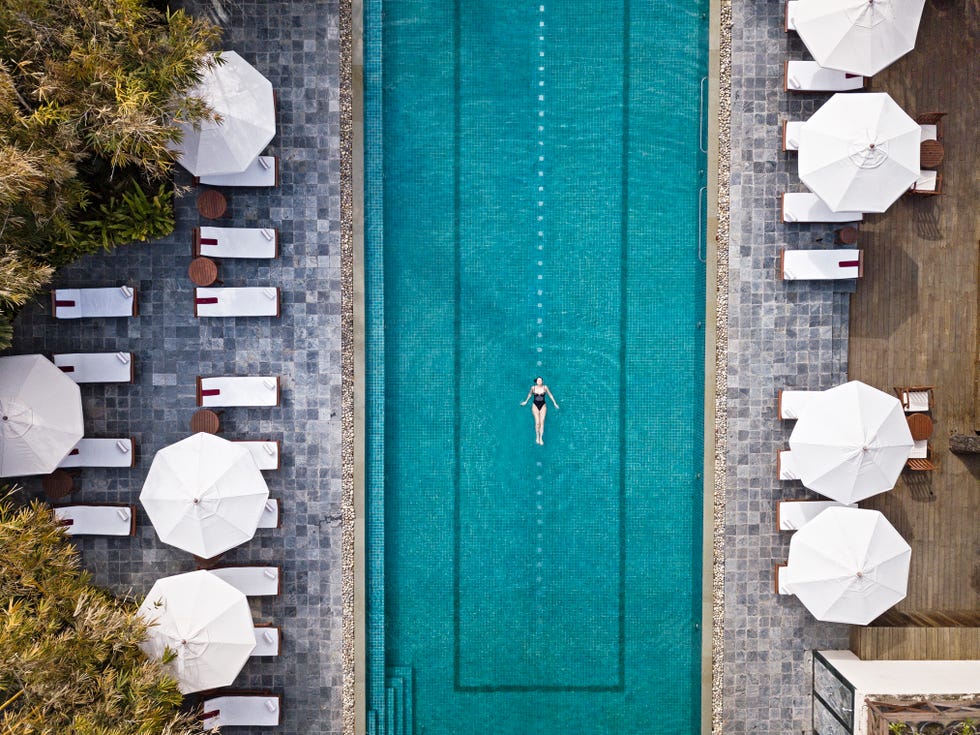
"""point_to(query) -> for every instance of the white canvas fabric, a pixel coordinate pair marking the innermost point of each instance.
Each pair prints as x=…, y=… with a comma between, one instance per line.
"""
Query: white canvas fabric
x=859, y=152
x=852, y=443
x=809, y=76
x=100, y=452
x=238, y=242
x=205, y=622
x=792, y=141
x=270, y=514
x=242, y=390
x=96, y=367
x=805, y=206
x=267, y=640
x=787, y=469
x=242, y=710
x=265, y=453
x=244, y=301
x=858, y=36
x=794, y=514
x=244, y=99
x=251, y=581
x=791, y=14
x=821, y=265
x=263, y=171
x=928, y=132
x=96, y=520
x=920, y=449
x=848, y=565
x=927, y=180
x=792, y=403
x=917, y=400
x=40, y=415
x=204, y=495
x=114, y=301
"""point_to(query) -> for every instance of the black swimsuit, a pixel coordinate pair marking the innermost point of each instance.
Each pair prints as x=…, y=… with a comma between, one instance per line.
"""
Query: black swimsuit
x=538, y=399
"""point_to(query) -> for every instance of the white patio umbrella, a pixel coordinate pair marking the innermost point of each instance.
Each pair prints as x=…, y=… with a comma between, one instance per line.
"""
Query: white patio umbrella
x=205, y=622
x=858, y=36
x=848, y=565
x=851, y=443
x=204, y=494
x=40, y=415
x=243, y=98
x=859, y=152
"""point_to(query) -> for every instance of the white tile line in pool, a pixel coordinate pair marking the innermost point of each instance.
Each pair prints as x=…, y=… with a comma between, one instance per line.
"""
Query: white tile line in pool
x=538, y=286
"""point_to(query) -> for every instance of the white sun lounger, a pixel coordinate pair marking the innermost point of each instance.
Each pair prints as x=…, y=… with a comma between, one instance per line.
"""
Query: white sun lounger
x=101, y=453
x=791, y=403
x=792, y=515
x=270, y=517
x=96, y=367
x=241, y=710
x=265, y=453
x=77, y=303
x=915, y=399
x=779, y=580
x=97, y=520
x=821, y=265
x=263, y=171
x=790, y=24
x=920, y=449
x=236, y=242
x=246, y=301
x=251, y=581
x=928, y=182
x=809, y=76
x=238, y=391
x=804, y=206
x=791, y=134
x=928, y=132
x=784, y=465
x=268, y=640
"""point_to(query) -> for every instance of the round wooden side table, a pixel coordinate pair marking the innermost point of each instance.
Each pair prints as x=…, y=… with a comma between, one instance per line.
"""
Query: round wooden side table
x=847, y=235
x=931, y=153
x=212, y=204
x=202, y=271
x=920, y=425
x=205, y=420
x=59, y=484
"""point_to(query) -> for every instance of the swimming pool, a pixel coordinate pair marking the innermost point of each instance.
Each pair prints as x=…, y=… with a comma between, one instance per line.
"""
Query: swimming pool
x=533, y=181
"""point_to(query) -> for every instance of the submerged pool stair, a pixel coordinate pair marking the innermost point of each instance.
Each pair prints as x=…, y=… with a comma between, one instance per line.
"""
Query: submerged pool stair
x=398, y=718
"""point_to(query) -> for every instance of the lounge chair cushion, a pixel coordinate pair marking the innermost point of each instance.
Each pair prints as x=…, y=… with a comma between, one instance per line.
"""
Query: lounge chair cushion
x=927, y=180
x=76, y=303
x=929, y=132
x=237, y=242
x=791, y=135
x=920, y=449
x=784, y=465
x=101, y=453
x=794, y=514
x=96, y=367
x=97, y=520
x=263, y=171
x=246, y=301
x=251, y=581
x=817, y=265
x=267, y=640
x=231, y=710
x=791, y=15
x=239, y=391
x=265, y=453
x=270, y=515
x=915, y=401
x=792, y=402
x=804, y=206
x=809, y=76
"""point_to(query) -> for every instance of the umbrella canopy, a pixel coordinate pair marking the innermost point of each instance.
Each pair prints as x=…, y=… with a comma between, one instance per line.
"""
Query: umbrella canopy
x=40, y=415
x=204, y=494
x=848, y=565
x=858, y=36
x=243, y=98
x=205, y=622
x=852, y=443
x=859, y=152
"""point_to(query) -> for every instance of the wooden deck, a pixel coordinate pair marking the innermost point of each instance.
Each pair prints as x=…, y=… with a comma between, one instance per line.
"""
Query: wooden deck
x=914, y=315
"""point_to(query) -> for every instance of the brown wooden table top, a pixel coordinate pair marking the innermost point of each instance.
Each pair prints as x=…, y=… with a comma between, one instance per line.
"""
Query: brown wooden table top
x=203, y=271
x=931, y=153
x=847, y=235
x=205, y=420
x=920, y=425
x=212, y=204
x=58, y=484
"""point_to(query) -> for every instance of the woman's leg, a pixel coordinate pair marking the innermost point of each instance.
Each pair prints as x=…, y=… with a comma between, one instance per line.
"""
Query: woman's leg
x=537, y=424
x=541, y=417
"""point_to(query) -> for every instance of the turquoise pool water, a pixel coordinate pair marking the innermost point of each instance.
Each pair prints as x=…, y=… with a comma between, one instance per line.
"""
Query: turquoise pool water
x=534, y=172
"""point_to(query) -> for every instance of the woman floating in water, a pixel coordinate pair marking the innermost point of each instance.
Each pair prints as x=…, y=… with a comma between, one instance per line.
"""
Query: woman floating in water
x=540, y=407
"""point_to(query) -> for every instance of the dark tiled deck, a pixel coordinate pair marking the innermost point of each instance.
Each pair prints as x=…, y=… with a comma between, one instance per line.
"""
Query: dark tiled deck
x=295, y=44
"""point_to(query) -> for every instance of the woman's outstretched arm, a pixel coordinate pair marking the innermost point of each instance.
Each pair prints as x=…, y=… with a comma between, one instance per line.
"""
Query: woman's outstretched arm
x=551, y=397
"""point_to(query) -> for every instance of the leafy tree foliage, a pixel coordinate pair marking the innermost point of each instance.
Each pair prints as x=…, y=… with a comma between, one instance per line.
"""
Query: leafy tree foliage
x=90, y=91
x=69, y=655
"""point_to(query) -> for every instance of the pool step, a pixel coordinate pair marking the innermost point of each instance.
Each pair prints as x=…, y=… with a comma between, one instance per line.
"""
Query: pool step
x=399, y=719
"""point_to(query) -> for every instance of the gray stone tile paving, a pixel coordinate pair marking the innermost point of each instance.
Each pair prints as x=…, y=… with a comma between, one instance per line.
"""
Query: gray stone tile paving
x=781, y=335
x=295, y=44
